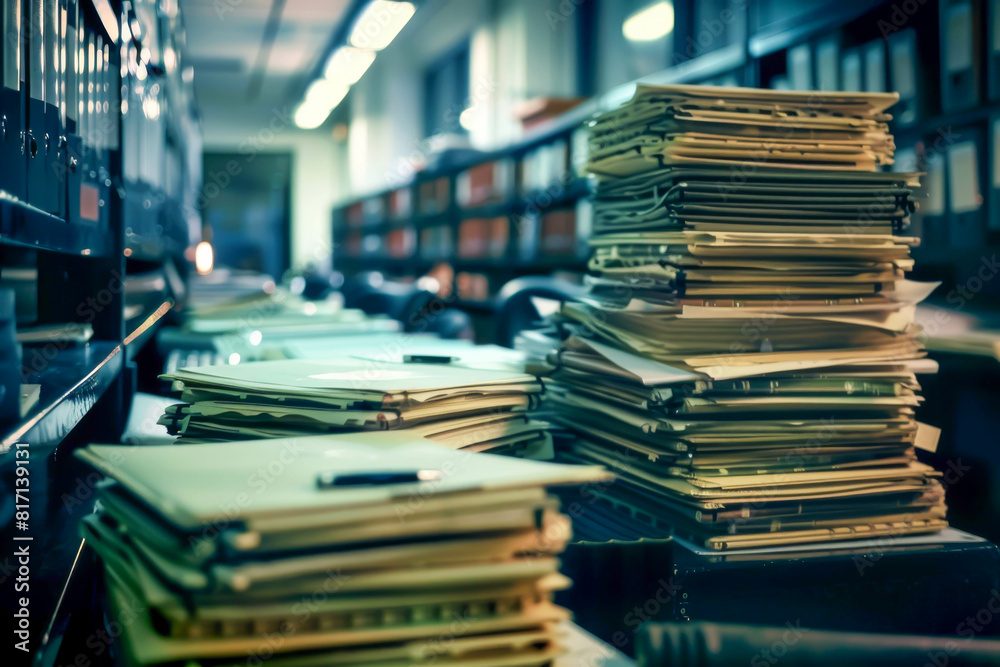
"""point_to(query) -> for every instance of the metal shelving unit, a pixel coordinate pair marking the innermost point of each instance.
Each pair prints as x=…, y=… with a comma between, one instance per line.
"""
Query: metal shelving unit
x=90, y=246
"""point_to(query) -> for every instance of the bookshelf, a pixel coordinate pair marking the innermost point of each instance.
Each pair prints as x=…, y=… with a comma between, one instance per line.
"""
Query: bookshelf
x=490, y=217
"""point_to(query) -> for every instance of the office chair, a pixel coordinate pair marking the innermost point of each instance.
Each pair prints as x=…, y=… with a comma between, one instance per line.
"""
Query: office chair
x=419, y=310
x=721, y=645
x=318, y=285
x=515, y=311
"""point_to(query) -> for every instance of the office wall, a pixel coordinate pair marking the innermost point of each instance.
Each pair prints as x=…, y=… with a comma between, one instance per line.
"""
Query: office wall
x=315, y=175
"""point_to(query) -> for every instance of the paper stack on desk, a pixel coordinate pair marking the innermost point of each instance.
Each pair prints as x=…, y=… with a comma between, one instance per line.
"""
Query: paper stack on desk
x=328, y=551
x=246, y=316
x=746, y=357
x=461, y=407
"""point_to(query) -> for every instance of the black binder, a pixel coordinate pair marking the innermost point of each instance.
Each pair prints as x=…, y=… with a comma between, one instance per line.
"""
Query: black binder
x=960, y=49
x=94, y=164
x=12, y=97
x=54, y=185
x=38, y=181
x=72, y=154
x=105, y=124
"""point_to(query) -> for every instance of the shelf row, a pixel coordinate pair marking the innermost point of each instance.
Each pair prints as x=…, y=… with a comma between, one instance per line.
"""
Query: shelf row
x=71, y=378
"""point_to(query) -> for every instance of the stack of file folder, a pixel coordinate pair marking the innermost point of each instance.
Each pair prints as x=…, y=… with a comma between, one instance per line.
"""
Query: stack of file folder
x=477, y=409
x=746, y=356
x=362, y=549
x=239, y=316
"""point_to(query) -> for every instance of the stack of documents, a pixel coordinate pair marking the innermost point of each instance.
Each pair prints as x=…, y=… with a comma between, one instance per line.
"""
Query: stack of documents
x=746, y=357
x=362, y=549
x=462, y=407
x=240, y=317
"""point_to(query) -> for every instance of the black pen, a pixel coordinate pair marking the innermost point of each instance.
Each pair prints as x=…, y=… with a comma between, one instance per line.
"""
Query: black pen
x=427, y=359
x=326, y=480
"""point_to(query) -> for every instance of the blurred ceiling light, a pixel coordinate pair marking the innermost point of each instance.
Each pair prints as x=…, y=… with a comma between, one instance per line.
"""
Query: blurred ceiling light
x=467, y=118
x=379, y=23
x=169, y=59
x=347, y=64
x=310, y=116
x=204, y=258
x=151, y=108
x=321, y=97
x=650, y=24
x=107, y=15
x=322, y=93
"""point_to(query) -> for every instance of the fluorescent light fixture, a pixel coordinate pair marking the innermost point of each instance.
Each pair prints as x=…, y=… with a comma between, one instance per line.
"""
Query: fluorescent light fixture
x=650, y=24
x=467, y=118
x=325, y=94
x=108, y=18
x=204, y=258
x=169, y=59
x=348, y=64
x=379, y=23
x=310, y=116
